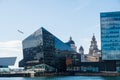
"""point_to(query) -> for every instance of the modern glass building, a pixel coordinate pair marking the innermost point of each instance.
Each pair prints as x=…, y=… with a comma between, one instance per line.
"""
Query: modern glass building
x=110, y=35
x=5, y=62
x=42, y=47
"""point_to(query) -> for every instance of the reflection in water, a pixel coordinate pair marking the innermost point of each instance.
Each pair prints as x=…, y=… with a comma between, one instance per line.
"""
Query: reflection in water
x=63, y=78
x=110, y=78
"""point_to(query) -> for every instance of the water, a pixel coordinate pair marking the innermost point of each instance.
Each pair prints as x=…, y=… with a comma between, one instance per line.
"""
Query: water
x=62, y=78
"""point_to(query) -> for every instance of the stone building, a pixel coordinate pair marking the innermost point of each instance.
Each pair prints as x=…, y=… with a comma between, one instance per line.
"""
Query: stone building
x=94, y=53
x=93, y=47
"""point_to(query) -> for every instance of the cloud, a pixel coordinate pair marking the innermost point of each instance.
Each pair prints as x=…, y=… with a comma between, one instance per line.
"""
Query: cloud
x=10, y=45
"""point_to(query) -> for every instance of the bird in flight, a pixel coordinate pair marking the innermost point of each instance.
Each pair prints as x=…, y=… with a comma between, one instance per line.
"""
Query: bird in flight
x=20, y=32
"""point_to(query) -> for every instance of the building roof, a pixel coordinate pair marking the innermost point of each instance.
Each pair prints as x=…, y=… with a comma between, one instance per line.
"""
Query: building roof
x=7, y=61
x=37, y=39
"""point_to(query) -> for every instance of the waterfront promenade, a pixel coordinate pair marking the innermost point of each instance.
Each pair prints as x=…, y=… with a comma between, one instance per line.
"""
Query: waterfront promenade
x=43, y=74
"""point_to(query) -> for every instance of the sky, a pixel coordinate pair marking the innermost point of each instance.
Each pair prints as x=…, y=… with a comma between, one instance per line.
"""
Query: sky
x=64, y=18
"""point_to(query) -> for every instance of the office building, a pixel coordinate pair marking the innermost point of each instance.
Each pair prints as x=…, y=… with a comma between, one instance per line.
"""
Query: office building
x=110, y=38
x=42, y=47
x=110, y=35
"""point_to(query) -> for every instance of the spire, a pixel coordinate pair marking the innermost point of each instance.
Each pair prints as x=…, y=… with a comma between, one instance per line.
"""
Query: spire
x=70, y=38
x=93, y=38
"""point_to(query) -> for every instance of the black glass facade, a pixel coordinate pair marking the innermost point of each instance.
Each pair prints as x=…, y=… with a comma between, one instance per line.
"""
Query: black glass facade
x=43, y=47
x=110, y=35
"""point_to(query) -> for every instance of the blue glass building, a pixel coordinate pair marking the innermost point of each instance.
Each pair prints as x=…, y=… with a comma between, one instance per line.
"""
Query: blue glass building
x=42, y=47
x=110, y=35
x=110, y=40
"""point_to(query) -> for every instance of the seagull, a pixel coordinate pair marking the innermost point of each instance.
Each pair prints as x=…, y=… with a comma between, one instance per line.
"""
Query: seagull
x=20, y=31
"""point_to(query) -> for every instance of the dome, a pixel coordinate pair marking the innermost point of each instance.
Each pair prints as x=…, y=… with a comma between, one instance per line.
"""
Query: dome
x=71, y=41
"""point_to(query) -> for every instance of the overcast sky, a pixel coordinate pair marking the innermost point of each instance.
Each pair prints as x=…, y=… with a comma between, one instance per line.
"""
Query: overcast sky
x=64, y=18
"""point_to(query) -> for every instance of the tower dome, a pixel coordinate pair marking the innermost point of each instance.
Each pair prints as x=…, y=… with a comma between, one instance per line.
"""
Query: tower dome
x=71, y=41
